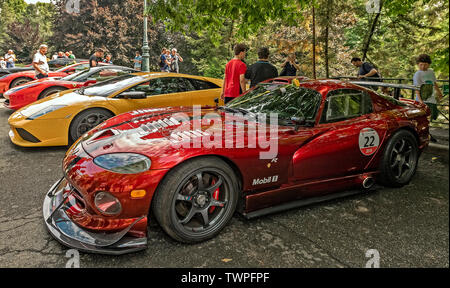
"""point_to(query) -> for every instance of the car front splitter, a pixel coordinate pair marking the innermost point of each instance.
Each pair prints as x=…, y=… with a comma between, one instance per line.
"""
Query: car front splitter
x=68, y=233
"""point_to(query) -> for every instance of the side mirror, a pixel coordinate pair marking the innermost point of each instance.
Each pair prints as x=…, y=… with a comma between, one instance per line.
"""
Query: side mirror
x=90, y=81
x=133, y=95
x=426, y=91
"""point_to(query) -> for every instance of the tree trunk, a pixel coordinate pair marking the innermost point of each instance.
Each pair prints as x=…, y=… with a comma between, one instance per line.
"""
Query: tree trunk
x=327, y=25
x=314, y=42
x=372, y=29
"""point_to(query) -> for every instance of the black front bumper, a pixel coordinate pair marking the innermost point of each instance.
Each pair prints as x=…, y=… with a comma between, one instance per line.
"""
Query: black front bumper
x=63, y=229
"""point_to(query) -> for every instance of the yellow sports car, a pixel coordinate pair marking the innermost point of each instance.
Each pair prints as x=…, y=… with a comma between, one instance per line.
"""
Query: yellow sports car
x=65, y=116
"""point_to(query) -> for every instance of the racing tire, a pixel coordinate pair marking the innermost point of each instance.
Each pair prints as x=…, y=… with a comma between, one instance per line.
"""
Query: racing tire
x=20, y=81
x=86, y=121
x=399, y=160
x=196, y=199
x=50, y=91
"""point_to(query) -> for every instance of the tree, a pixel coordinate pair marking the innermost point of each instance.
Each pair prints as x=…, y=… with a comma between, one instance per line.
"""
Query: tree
x=25, y=26
x=209, y=16
x=114, y=25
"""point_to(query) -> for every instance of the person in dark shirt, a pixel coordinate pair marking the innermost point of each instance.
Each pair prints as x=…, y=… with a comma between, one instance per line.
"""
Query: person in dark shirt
x=290, y=66
x=366, y=70
x=261, y=70
x=96, y=57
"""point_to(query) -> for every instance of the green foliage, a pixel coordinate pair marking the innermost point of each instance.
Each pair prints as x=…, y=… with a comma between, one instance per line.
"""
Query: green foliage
x=205, y=31
x=205, y=15
x=25, y=26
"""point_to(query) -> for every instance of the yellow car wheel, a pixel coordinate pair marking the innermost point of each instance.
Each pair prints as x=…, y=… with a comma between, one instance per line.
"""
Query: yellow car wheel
x=87, y=120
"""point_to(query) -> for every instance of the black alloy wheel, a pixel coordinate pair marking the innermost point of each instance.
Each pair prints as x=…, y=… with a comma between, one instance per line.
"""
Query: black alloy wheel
x=197, y=199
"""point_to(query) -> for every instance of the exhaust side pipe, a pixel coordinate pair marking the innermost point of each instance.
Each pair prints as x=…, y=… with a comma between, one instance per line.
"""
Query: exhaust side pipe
x=368, y=182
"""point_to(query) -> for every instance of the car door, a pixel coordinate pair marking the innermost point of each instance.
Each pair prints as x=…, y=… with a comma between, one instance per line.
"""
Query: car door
x=203, y=92
x=350, y=133
x=159, y=92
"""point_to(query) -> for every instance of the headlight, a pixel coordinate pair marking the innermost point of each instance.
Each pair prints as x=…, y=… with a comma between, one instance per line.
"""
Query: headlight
x=45, y=111
x=107, y=203
x=125, y=163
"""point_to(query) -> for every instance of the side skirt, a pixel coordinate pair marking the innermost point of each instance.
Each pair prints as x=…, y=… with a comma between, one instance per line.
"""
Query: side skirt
x=305, y=202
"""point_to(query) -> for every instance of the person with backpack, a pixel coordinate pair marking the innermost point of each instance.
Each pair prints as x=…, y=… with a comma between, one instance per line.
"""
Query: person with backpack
x=425, y=75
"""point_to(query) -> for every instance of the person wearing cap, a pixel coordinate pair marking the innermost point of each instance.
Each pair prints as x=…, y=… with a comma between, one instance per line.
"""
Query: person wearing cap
x=175, y=58
x=10, y=58
x=40, y=64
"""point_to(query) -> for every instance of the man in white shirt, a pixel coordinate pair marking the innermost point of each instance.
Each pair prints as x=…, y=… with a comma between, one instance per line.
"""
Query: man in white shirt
x=10, y=58
x=40, y=62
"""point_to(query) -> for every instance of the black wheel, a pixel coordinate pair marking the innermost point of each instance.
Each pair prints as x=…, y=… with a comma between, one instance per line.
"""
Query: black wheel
x=196, y=200
x=50, y=91
x=87, y=120
x=20, y=81
x=400, y=158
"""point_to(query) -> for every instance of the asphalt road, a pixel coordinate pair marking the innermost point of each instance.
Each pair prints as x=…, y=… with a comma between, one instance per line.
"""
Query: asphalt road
x=409, y=227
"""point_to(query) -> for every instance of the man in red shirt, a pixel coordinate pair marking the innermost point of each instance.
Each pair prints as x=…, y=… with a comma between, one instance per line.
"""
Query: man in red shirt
x=234, y=81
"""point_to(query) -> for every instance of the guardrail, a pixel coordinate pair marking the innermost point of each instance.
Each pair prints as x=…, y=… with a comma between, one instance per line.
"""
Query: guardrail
x=443, y=107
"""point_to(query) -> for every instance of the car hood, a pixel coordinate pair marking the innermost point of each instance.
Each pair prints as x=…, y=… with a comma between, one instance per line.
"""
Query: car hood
x=170, y=131
x=49, y=81
x=63, y=98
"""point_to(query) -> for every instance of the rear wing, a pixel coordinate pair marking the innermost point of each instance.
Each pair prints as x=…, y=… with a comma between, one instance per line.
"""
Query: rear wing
x=418, y=94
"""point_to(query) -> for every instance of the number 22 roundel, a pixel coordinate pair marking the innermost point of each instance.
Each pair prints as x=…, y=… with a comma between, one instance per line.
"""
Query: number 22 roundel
x=368, y=141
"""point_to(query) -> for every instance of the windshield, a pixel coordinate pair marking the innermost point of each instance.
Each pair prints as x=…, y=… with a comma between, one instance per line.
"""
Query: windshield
x=108, y=87
x=72, y=77
x=288, y=101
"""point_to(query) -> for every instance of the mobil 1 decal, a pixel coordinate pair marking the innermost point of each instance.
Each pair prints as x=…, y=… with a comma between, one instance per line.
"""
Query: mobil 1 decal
x=368, y=141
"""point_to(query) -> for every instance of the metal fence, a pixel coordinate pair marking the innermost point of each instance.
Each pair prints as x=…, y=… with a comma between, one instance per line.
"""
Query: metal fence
x=443, y=107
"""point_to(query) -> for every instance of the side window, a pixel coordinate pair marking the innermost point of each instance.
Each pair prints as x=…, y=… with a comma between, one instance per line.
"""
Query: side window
x=83, y=66
x=169, y=85
x=165, y=85
x=109, y=73
x=189, y=86
x=203, y=85
x=343, y=104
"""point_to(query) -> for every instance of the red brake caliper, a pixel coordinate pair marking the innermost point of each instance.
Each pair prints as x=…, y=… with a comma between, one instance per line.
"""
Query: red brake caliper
x=215, y=196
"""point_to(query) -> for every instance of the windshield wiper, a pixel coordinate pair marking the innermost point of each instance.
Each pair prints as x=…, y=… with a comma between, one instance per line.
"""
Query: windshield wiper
x=233, y=110
x=298, y=121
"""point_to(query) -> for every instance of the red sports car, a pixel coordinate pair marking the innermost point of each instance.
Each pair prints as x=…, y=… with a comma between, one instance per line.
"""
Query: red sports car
x=194, y=167
x=15, y=79
x=23, y=95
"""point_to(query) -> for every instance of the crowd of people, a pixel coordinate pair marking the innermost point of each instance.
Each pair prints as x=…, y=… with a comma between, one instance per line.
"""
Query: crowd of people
x=61, y=54
x=237, y=74
x=8, y=61
x=169, y=60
